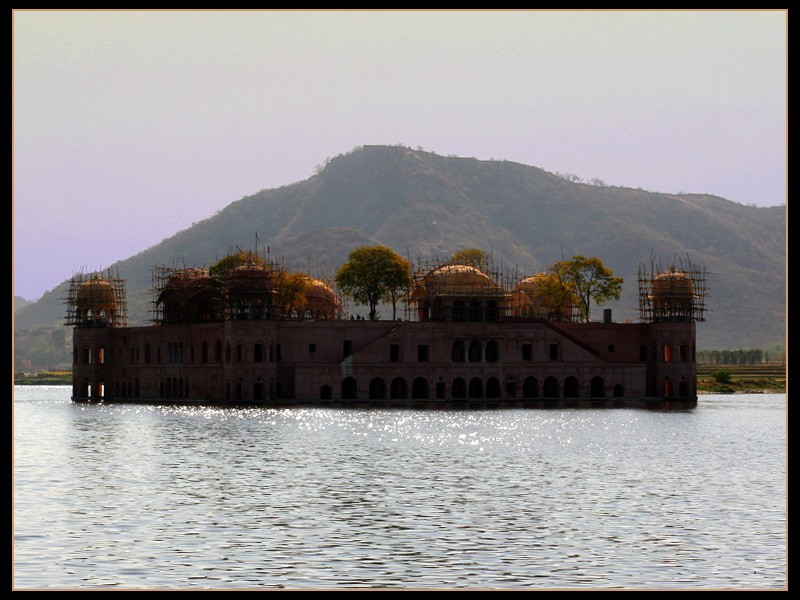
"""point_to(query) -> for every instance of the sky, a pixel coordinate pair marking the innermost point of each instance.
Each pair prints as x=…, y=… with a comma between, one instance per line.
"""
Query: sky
x=130, y=126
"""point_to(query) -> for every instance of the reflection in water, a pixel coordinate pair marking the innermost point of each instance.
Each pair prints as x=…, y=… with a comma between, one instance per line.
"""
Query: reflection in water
x=133, y=497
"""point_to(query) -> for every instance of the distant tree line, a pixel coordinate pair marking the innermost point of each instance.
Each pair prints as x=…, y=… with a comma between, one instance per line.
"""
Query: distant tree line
x=750, y=356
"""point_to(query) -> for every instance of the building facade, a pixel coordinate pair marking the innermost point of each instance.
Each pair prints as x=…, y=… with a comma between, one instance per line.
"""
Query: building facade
x=472, y=341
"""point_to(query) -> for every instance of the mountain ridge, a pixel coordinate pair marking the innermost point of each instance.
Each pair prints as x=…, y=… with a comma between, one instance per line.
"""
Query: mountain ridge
x=426, y=206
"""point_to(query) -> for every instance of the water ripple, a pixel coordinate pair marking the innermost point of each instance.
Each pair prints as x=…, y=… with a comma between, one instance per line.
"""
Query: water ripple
x=156, y=497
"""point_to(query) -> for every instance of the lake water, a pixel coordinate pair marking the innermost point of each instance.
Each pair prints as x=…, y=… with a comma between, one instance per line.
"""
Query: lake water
x=159, y=497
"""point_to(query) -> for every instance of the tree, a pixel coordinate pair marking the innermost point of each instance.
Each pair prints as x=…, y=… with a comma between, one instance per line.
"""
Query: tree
x=589, y=279
x=291, y=290
x=472, y=256
x=553, y=297
x=232, y=261
x=372, y=274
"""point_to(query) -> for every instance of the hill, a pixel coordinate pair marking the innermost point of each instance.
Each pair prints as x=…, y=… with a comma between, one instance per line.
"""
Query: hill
x=427, y=206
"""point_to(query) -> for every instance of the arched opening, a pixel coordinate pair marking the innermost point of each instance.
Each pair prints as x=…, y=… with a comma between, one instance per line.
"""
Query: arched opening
x=619, y=390
x=491, y=311
x=349, y=389
x=459, y=389
x=419, y=388
x=492, y=351
x=530, y=387
x=493, y=389
x=475, y=311
x=598, y=387
x=475, y=388
x=550, y=388
x=457, y=352
x=325, y=392
x=459, y=311
x=474, y=354
x=399, y=388
x=571, y=387
x=377, y=389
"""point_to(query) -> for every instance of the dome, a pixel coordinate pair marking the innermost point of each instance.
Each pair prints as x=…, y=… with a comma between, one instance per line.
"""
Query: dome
x=538, y=296
x=250, y=275
x=319, y=289
x=96, y=294
x=672, y=285
x=321, y=302
x=457, y=279
x=532, y=284
x=185, y=283
x=187, y=277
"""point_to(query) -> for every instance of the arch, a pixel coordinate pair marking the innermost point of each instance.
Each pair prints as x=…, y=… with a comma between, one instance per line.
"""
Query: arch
x=459, y=310
x=550, y=387
x=571, y=387
x=492, y=351
x=204, y=352
x=399, y=388
x=377, y=389
x=475, y=388
x=459, y=388
x=349, y=389
x=619, y=390
x=491, y=311
x=530, y=387
x=493, y=389
x=598, y=387
x=475, y=311
x=457, y=352
x=419, y=388
x=258, y=389
x=325, y=392
x=218, y=351
x=474, y=354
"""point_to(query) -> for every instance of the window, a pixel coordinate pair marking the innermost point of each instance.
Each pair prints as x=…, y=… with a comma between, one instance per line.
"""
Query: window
x=527, y=351
x=312, y=348
x=347, y=348
x=394, y=353
x=553, y=351
x=611, y=347
x=258, y=352
x=475, y=351
x=422, y=353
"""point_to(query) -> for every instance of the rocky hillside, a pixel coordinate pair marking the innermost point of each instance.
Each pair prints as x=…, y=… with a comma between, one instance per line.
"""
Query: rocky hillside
x=426, y=206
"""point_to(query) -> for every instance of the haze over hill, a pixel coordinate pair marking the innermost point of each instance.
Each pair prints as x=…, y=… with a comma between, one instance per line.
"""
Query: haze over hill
x=426, y=206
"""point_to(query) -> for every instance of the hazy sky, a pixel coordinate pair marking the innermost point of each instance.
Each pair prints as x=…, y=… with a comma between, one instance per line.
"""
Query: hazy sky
x=129, y=126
